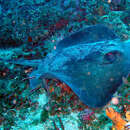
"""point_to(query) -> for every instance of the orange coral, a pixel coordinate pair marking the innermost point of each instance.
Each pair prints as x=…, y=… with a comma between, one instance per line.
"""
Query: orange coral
x=116, y=118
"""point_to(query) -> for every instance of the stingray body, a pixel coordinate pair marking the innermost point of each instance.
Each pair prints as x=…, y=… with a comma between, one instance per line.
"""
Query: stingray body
x=92, y=62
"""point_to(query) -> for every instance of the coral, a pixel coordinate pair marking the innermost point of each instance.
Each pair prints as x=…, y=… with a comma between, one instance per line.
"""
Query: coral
x=44, y=115
x=86, y=114
x=61, y=99
x=116, y=118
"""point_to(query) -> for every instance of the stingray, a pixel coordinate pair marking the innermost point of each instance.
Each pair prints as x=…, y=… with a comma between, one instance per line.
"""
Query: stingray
x=91, y=62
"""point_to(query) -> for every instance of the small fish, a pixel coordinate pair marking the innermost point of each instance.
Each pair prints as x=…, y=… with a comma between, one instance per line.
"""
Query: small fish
x=91, y=62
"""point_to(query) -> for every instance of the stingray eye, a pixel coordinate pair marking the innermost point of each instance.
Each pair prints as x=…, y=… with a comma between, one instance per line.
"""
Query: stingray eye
x=112, y=56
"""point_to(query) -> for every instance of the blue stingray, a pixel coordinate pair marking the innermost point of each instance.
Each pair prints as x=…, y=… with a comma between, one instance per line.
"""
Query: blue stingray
x=91, y=62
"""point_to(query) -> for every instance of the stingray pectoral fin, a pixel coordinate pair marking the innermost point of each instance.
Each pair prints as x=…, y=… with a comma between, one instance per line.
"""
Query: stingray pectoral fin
x=94, y=98
x=88, y=35
x=90, y=95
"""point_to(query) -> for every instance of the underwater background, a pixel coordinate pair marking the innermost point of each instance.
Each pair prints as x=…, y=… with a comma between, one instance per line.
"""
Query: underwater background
x=30, y=29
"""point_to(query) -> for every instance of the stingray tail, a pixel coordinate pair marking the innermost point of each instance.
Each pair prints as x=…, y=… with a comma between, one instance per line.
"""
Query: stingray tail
x=23, y=62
